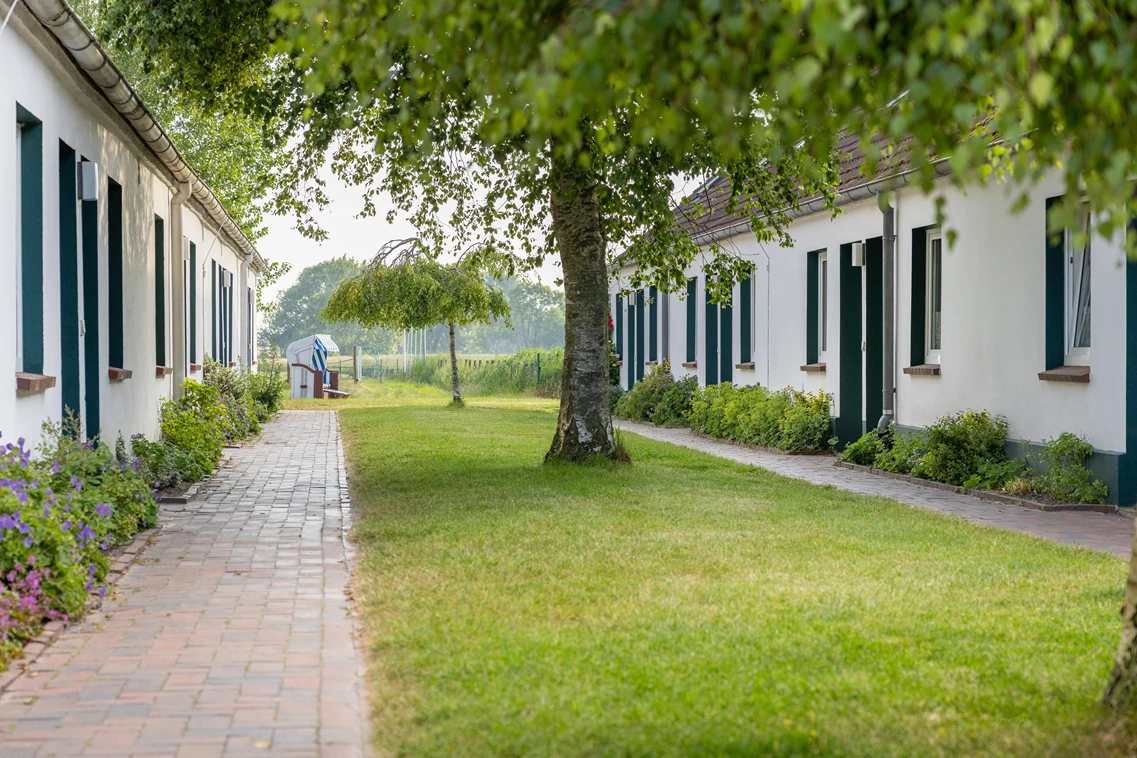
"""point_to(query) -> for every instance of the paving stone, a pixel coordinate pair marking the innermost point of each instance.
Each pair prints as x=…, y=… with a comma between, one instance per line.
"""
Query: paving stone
x=228, y=634
x=1108, y=533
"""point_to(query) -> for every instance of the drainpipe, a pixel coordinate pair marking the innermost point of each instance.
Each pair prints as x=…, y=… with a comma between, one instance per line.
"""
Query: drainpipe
x=178, y=285
x=889, y=214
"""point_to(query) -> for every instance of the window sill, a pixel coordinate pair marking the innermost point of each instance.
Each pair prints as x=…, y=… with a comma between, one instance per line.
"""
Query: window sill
x=814, y=368
x=232, y=364
x=748, y=366
x=194, y=368
x=1068, y=374
x=691, y=364
x=619, y=363
x=33, y=383
x=924, y=369
x=651, y=363
x=161, y=371
x=119, y=374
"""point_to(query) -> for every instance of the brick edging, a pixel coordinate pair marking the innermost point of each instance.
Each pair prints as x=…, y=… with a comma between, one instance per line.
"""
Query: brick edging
x=52, y=630
x=997, y=497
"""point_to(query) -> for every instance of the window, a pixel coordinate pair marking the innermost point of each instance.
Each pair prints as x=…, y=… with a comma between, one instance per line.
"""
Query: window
x=114, y=270
x=934, y=296
x=1077, y=248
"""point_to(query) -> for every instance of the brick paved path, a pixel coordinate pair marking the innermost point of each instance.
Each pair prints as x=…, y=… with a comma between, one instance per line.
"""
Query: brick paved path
x=230, y=637
x=1108, y=533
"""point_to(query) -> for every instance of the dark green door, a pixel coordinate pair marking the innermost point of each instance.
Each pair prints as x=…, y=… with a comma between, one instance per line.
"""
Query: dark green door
x=92, y=373
x=874, y=331
x=69, y=379
x=630, y=359
x=850, y=394
x=711, y=341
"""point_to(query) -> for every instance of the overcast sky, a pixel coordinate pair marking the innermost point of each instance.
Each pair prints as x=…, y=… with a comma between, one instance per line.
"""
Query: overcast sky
x=358, y=238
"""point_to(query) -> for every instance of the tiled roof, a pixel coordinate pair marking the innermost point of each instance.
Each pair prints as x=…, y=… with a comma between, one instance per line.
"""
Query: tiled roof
x=705, y=211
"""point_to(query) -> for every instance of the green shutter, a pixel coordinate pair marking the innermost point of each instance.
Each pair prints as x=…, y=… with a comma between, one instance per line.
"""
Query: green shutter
x=812, y=285
x=31, y=238
x=160, y=290
x=91, y=362
x=919, y=294
x=639, y=334
x=630, y=359
x=711, y=340
x=115, y=339
x=745, y=317
x=653, y=324
x=619, y=327
x=192, y=303
x=874, y=330
x=68, y=284
x=1055, y=292
x=726, y=340
x=850, y=424
x=692, y=316
x=213, y=309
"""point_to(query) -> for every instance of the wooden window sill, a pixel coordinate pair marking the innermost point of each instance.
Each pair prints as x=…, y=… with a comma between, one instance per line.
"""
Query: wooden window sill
x=651, y=363
x=748, y=366
x=194, y=367
x=1069, y=374
x=119, y=374
x=924, y=369
x=33, y=383
x=619, y=363
x=161, y=371
x=232, y=364
x=814, y=368
x=691, y=364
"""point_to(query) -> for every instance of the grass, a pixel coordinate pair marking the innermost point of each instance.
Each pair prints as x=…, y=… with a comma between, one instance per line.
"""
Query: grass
x=688, y=606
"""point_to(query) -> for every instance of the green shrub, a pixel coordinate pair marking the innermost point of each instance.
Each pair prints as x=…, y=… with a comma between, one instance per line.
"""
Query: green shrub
x=640, y=402
x=864, y=451
x=514, y=374
x=233, y=389
x=1062, y=473
x=268, y=391
x=787, y=419
x=958, y=446
x=675, y=402
x=613, y=364
x=196, y=424
x=615, y=392
x=903, y=454
x=163, y=465
x=997, y=475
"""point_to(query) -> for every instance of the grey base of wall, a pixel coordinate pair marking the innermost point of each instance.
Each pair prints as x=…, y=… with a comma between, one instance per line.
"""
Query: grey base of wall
x=1105, y=465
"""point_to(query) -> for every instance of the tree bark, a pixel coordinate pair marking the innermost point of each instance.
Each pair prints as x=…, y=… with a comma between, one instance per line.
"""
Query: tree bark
x=454, y=366
x=584, y=427
x=1121, y=692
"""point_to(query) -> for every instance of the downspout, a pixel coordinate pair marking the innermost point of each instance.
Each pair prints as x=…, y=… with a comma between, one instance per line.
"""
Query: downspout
x=888, y=405
x=177, y=284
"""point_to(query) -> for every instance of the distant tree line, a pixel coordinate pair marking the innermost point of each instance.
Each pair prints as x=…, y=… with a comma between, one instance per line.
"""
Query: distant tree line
x=537, y=321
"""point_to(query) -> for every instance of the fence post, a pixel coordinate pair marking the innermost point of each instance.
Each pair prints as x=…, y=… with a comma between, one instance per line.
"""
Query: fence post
x=538, y=368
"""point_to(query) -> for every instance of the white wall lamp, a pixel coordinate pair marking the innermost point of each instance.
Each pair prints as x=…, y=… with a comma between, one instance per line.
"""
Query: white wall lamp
x=88, y=181
x=858, y=254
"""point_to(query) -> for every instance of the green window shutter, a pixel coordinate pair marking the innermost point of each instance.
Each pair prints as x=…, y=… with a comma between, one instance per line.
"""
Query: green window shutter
x=31, y=238
x=90, y=215
x=1055, y=292
x=160, y=290
x=711, y=340
x=115, y=339
x=619, y=321
x=745, y=317
x=692, y=316
x=726, y=340
x=653, y=324
x=919, y=294
x=213, y=309
x=230, y=299
x=639, y=334
x=192, y=303
x=812, y=266
x=68, y=283
x=630, y=359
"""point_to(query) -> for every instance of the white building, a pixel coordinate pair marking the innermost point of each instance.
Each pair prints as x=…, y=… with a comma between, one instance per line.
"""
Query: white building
x=999, y=321
x=120, y=269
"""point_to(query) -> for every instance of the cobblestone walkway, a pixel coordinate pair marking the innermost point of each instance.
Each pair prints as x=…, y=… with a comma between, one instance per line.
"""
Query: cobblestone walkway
x=230, y=637
x=1097, y=531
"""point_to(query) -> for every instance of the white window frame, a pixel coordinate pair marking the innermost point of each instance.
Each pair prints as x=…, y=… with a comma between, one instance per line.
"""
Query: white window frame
x=1074, y=258
x=822, y=307
x=932, y=355
x=19, y=262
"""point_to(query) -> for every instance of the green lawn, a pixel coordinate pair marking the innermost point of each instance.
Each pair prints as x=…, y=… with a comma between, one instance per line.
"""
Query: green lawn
x=685, y=605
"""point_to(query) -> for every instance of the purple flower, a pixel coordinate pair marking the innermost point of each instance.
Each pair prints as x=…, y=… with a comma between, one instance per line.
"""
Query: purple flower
x=103, y=509
x=66, y=525
x=78, y=485
x=55, y=467
x=28, y=541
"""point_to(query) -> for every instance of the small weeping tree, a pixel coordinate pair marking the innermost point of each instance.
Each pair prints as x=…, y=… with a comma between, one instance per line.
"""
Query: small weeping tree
x=405, y=287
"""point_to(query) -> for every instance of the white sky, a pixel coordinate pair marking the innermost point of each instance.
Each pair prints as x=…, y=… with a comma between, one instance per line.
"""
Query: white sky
x=358, y=238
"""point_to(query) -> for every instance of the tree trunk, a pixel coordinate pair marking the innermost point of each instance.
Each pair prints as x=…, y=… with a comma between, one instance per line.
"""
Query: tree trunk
x=454, y=366
x=584, y=427
x=1122, y=689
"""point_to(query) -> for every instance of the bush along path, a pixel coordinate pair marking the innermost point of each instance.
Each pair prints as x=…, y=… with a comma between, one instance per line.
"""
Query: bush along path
x=230, y=637
x=1104, y=532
